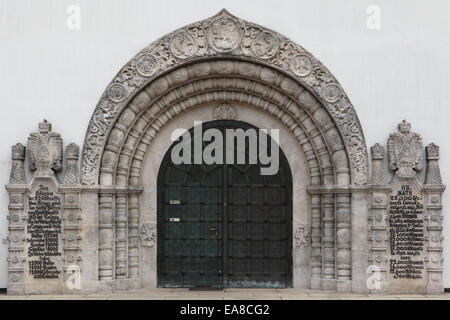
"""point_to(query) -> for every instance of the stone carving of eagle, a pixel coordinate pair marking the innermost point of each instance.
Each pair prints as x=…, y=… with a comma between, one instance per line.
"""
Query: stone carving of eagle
x=45, y=150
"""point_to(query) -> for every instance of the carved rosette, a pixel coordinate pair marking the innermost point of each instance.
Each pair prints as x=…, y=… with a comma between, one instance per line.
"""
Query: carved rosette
x=220, y=36
x=224, y=111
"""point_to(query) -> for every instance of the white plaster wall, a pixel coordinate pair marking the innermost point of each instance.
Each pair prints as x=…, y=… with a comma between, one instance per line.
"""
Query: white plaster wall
x=399, y=71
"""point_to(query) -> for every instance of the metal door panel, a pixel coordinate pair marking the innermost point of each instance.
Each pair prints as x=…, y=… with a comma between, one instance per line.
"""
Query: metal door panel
x=224, y=225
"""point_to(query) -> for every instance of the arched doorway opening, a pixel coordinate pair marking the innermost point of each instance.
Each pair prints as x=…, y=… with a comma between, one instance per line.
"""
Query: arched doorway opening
x=224, y=225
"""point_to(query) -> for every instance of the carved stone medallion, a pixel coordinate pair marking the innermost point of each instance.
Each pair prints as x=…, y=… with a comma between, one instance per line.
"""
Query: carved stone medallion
x=224, y=34
x=265, y=45
x=301, y=65
x=183, y=45
x=146, y=65
x=332, y=93
x=224, y=112
x=117, y=92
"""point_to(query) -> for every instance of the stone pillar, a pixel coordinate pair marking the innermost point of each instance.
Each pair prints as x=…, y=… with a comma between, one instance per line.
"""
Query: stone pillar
x=121, y=239
x=133, y=237
x=344, y=245
x=433, y=189
x=328, y=243
x=378, y=231
x=316, y=242
x=360, y=248
x=106, y=237
x=17, y=188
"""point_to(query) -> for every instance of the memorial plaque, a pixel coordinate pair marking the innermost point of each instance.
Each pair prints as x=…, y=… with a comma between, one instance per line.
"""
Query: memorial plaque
x=44, y=246
x=406, y=238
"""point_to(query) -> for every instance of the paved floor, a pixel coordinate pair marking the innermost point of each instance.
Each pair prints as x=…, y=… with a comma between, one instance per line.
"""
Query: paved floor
x=227, y=294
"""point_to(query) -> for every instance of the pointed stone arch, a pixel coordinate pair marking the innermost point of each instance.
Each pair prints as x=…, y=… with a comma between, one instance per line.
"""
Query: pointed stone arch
x=227, y=59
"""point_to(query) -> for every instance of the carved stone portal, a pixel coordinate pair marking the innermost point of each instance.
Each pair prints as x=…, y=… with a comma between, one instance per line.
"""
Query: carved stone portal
x=224, y=60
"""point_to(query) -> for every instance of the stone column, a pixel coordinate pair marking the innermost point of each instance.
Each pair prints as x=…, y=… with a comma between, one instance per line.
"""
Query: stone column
x=106, y=237
x=360, y=248
x=133, y=237
x=344, y=245
x=328, y=243
x=316, y=242
x=17, y=188
x=433, y=189
x=121, y=241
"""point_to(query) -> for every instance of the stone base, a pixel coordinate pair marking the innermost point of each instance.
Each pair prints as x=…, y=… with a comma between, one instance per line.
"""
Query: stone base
x=329, y=285
x=344, y=286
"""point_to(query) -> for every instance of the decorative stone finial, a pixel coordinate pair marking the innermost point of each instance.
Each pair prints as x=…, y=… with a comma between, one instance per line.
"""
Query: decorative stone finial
x=377, y=152
x=432, y=151
x=45, y=127
x=377, y=177
x=18, y=152
x=45, y=150
x=405, y=151
x=433, y=174
x=18, y=170
x=71, y=174
x=404, y=126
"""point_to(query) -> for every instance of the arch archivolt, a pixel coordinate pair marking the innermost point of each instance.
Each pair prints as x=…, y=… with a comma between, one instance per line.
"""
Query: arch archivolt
x=295, y=107
x=280, y=62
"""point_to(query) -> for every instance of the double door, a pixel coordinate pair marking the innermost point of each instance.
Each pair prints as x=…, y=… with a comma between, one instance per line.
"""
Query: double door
x=224, y=225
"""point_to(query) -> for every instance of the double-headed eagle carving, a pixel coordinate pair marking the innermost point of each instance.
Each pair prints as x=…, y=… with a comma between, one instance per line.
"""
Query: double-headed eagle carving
x=45, y=150
x=405, y=151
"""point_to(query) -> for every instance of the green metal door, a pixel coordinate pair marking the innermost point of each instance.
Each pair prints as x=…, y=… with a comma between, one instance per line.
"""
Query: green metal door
x=224, y=225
